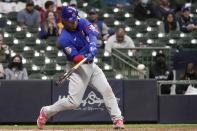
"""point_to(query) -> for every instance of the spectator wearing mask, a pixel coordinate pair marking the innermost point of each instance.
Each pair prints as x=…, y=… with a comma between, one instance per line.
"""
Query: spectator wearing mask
x=15, y=70
x=187, y=24
x=28, y=16
x=145, y=9
x=190, y=74
x=169, y=23
x=100, y=26
x=161, y=71
x=119, y=40
x=49, y=27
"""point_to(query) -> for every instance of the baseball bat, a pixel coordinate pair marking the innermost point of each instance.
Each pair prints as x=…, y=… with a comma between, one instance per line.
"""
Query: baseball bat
x=68, y=74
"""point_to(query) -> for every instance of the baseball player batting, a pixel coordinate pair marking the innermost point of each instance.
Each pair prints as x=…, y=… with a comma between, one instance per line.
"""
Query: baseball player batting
x=78, y=40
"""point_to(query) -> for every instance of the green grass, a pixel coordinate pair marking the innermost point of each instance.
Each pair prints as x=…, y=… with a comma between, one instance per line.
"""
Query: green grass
x=100, y=126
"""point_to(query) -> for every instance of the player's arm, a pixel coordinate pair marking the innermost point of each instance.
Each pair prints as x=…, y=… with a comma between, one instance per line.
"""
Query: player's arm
x=70, y=51
x=92, y=34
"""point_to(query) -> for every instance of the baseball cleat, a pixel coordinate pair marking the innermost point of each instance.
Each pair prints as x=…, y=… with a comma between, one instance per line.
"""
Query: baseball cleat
x=118, y=124
x=42, y=119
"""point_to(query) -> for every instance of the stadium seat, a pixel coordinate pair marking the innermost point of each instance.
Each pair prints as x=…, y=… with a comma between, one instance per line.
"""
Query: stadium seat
x=29, y=54
x=32, y=29
x=18, y=48
x=152, y=22
x=61, y=60
x=109, y=10
x=142, y=28
x=52, y=41
x=49, y=69
x=194, y=34
x=130, y=22
x=9, y=41
x=120, y=15
x=184, y=40
x=174, y=34
x=41, y=46
x=109, y=21
x=163, y=41
x=28, y=66
x=39, y=60
x=3, y=21
x=193, y=9
x=185, y=43
x=36, y=76
x=10, y=28
x=30, y=41
x=20, y=34
x=52, y=53
x=132, y=34
x=152, y=34
x=12, y=16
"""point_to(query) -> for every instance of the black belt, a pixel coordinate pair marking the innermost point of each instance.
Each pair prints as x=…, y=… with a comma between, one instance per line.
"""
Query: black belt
x=88, y=62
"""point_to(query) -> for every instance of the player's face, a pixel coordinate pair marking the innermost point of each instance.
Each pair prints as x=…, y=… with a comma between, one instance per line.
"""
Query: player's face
x=70, y=25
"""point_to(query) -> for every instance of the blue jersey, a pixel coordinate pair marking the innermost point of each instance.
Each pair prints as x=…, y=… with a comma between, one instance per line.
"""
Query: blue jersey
x=78, y=42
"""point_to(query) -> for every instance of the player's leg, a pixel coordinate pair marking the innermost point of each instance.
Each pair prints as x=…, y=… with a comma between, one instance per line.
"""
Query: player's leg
x=99, y=81
x=77, y=86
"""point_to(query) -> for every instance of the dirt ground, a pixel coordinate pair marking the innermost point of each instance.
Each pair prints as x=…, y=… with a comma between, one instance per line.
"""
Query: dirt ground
x=108, y=129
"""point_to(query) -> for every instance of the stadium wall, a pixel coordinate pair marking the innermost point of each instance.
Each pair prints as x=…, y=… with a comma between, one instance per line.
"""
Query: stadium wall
x=20, y=102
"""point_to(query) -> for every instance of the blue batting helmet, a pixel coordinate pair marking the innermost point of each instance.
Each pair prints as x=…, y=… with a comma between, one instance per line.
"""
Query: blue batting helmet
x=69, y=13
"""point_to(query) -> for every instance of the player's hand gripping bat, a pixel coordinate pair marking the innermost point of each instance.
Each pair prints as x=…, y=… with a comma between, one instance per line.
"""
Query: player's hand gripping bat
x=68, y=74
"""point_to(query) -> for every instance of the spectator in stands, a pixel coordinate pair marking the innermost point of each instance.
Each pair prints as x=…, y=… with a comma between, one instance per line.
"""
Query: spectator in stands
x=7, y=6
x=49, y=27
x=4, y=52
x=145, y=9
x=119, y=40
x=81, y=13
x=41, y=3
x=164, y=9
x=50, y=7
x=15, y=70
x=4, y=56
x=178, y=4
x=187, y=24
x=169, y=23
x=100, y=26
x=161, y=71
x=190, y=74
x=28, y=16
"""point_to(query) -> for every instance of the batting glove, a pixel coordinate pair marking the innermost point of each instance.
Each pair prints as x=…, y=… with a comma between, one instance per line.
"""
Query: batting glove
x=78, y=58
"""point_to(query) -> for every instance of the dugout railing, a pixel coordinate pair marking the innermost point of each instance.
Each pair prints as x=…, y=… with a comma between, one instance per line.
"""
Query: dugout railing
x=127, y=66
x=127, y=60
